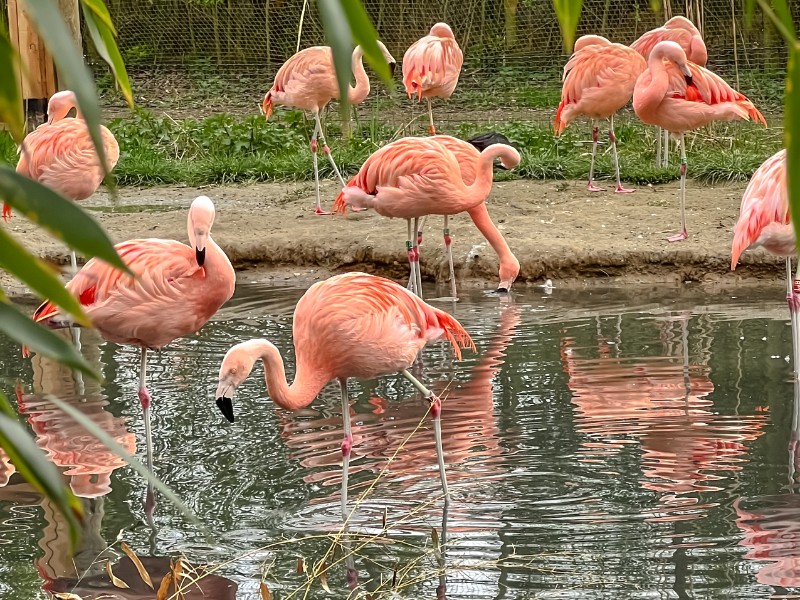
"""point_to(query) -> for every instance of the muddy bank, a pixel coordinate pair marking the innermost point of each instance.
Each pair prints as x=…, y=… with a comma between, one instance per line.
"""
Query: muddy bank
x=557, y=230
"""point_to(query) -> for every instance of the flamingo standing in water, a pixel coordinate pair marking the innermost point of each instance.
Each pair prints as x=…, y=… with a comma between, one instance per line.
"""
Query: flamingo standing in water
x=177, y=289
x=598, y=81
x=414, y=177
x=308, y=81
x=679, y=96
x=61, y=155
x=684, y=33
x=431, y=67
x=351, y=325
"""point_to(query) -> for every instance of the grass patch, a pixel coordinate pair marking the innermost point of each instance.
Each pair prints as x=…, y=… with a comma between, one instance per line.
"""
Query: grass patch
x=226, y=149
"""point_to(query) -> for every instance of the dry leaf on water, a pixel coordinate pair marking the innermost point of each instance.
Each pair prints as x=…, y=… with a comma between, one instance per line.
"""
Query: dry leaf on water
x=265, y=593
x=323, y=580
x=138, y=564
x=301, y=565
x=114, y=579
x=66, y=596
x=163, y=589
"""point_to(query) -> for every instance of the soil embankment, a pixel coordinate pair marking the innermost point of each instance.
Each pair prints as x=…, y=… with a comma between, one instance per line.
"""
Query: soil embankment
x=557, y=230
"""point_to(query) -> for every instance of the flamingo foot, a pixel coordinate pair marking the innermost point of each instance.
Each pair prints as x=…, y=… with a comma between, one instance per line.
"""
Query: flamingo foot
x=6, y=212
x=622, y=190
x=593, y=188
x=678, y=237
x=319, y=211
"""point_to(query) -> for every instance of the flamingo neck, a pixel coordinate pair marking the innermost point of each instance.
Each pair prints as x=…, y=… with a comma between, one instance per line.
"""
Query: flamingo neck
x=480, y=188
x=357, y=94
x=307, y=384
x=480, y=216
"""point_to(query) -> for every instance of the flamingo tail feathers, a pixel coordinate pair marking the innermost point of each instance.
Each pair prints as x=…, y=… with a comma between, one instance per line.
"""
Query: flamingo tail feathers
x=559, y=125
x=454, y=333
x=267, y=106
x=756, y=115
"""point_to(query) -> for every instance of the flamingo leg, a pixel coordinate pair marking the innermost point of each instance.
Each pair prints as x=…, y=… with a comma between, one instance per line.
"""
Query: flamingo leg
x=144, y=398
x=595, y=137
x=431, y=128
x=683, y=234
x=347, y=444
x=436, y=415
x=318, y=207
x=413, y=259
x=658, y=147
x=419, y=243
x=73, y=262
x=327, y=150
x=448, y=242
x=613, y=139
x=416, y=258
x=665, y=155
x=794, y=311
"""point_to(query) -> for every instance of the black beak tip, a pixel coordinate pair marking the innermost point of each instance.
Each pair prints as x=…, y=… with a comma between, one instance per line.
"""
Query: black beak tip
x=501, y=290
x=201, y=256
x=225, y=406
x=393, y=67
x=688, y=79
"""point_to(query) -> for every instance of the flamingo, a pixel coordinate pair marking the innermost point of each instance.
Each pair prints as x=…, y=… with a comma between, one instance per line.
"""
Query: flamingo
x=431, y=67
x=679, y=96
x=308, y=81
x=413, y=177
x=598, y=81
x=175, y=291
x=61, y=155
x=350, y=325
x=683, y=32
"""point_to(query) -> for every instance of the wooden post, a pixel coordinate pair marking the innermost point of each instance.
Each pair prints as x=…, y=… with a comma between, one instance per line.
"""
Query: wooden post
x=37, y=77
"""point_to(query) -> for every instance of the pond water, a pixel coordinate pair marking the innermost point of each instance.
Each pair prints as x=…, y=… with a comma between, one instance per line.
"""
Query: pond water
x=603, y=443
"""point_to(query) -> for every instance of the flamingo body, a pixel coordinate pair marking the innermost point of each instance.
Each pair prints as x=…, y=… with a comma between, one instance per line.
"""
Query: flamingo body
x=432, y=64
x=679, y=30
x=60, y=153
x=599, y=79
x=764, y=214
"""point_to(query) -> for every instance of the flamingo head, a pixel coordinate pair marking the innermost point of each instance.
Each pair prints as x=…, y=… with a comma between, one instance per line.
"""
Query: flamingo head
x=484, y=140
x=681, y=22
x=235, y=368
x=672, y=52
x=60, y=104
x=509, y=270
x=590, y=40
x=387, y=55
x=201, y=217
x=442, y=30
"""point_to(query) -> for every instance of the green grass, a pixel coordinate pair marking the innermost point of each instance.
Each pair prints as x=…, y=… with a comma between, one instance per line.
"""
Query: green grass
x=226, y=149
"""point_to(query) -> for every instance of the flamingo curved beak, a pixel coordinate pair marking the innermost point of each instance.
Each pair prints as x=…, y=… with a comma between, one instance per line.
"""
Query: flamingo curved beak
x=393, y=66
x=200, y=255
x=225, y=406
x=688, y=79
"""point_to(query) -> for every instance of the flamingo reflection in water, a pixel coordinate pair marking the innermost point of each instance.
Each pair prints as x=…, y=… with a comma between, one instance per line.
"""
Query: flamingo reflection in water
x=662, y=404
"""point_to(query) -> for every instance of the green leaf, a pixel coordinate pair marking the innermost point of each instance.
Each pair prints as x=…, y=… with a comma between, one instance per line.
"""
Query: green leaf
x=73, y=73
x=64, y=219
x=10, y=95
x=791, y=133
x=364, y=33
x=41, y=340
x=749, y=10
x=340, y=39
x=784, y=14
x=778, y=12
x=568, y=13
x=117, y=449
x=102, y=33
x=37, y=276
x=32, y=463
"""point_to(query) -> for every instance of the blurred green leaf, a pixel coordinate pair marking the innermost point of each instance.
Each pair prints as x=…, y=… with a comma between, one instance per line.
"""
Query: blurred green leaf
x=101, y=30
x=37, y=276
x=10, y=95
x=41, y=340
x=776, y=11
x=72, y=72
x=32, y=463
x=340, y=39
x=366, y=36
x=791, y=132
x=64, y=219
x=568, y=13
x=110, y=443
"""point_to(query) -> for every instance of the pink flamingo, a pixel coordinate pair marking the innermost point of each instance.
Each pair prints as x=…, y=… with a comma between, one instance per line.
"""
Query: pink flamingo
x=679, y=96
x=351, y=325
x=431, y=67
x=684, y=33
x=413, y=177
x=308, y=81
x=61, y=155
x=177, y=289
x=598, y=81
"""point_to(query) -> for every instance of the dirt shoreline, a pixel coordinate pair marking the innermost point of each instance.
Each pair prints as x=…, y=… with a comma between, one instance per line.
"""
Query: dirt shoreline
x=557, y=230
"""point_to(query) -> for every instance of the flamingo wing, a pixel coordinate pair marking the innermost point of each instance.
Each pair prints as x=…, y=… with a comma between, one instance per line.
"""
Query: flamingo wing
x=645, y=44
x=428, y=61
x=303, y=69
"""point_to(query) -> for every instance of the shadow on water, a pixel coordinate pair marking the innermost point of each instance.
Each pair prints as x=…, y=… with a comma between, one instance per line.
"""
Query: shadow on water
x=601, y=443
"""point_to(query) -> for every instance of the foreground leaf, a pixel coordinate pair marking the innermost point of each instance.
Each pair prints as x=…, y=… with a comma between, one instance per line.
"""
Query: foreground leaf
x=163, y=589
x=340, y=39
x=791, y=132
x=568, y=13
x=41, y=340
x=138, y=564
x=73, y=73
x=116, y=581
x=33, y=465
x=64, y=219
x=264, y=590
x=10, y=95
x=115, y=447
x=101, y=30
x=364, y=33
x=31, y=271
